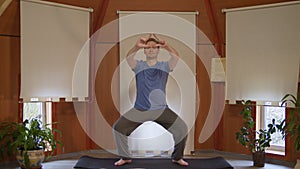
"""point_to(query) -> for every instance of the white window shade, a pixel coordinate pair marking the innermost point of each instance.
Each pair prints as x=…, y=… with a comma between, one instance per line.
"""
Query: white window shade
x=54, y=51
x=262, y=52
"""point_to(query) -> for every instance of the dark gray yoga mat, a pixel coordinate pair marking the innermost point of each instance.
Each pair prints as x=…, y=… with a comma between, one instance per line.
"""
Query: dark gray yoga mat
x=87, y=162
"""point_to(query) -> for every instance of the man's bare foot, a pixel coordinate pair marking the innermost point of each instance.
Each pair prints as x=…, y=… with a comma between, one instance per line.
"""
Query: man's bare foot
x=181, y=162
x=122, y=162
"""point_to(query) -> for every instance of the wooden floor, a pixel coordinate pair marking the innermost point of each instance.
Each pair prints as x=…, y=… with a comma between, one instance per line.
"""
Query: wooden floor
x=237, y=161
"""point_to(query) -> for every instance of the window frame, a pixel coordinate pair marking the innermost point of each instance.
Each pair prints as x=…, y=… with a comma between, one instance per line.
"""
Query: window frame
x=260, y=123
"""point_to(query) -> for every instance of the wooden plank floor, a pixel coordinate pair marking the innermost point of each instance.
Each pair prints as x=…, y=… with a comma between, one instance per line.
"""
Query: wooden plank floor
x=68, y=161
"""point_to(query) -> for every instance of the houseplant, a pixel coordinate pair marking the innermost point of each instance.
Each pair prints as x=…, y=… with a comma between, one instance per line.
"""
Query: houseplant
x=292, y=128
x=256, y=141
x=292, y=125
x=26, y=140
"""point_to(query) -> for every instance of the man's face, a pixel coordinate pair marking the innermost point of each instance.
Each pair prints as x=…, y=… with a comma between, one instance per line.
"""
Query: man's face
x=151, y=51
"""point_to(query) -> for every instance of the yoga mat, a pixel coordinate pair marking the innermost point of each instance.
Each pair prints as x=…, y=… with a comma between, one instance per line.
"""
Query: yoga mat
x=87, y=162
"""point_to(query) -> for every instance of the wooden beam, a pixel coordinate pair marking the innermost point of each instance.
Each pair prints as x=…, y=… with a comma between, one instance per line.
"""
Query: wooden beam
x=4, y=5
x=101, y=15
x=212, y=16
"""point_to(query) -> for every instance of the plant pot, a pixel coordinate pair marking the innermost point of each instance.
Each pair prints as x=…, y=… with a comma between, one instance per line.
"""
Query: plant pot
x=36, y=157
x=259, y=158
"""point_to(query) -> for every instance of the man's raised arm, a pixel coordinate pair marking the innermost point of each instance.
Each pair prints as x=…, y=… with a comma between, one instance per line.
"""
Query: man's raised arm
x=141, y=43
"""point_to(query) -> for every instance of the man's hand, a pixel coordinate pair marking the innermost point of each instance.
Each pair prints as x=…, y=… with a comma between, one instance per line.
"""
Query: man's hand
x=141, y=43
x=161, y=42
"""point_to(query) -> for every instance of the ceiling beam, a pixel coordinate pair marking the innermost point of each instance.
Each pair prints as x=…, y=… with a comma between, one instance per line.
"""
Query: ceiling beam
x=101, y=15
x=4, y=5
x=212, y=16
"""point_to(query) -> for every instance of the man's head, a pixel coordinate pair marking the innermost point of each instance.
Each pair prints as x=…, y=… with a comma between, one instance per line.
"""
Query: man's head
x=153, y=48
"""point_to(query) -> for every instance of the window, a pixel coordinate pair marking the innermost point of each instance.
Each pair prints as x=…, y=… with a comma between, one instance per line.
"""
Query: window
x=40, y=110
x=264, y=115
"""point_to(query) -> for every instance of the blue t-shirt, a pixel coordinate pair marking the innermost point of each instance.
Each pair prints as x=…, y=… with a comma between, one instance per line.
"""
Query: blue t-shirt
x=151, y=85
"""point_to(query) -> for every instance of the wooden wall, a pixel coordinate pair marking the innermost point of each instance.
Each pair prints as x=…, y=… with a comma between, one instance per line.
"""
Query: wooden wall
x=210, y=20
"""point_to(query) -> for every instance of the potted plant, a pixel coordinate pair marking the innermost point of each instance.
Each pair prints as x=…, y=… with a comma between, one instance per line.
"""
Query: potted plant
x=256, y=141
x=28, y=141
x=292, y=126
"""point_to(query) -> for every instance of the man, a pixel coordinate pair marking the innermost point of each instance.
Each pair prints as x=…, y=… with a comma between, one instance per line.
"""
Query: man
x=150, y=105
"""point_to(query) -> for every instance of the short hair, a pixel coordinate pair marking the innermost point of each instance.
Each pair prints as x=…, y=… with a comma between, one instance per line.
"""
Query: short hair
x=152, y=40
